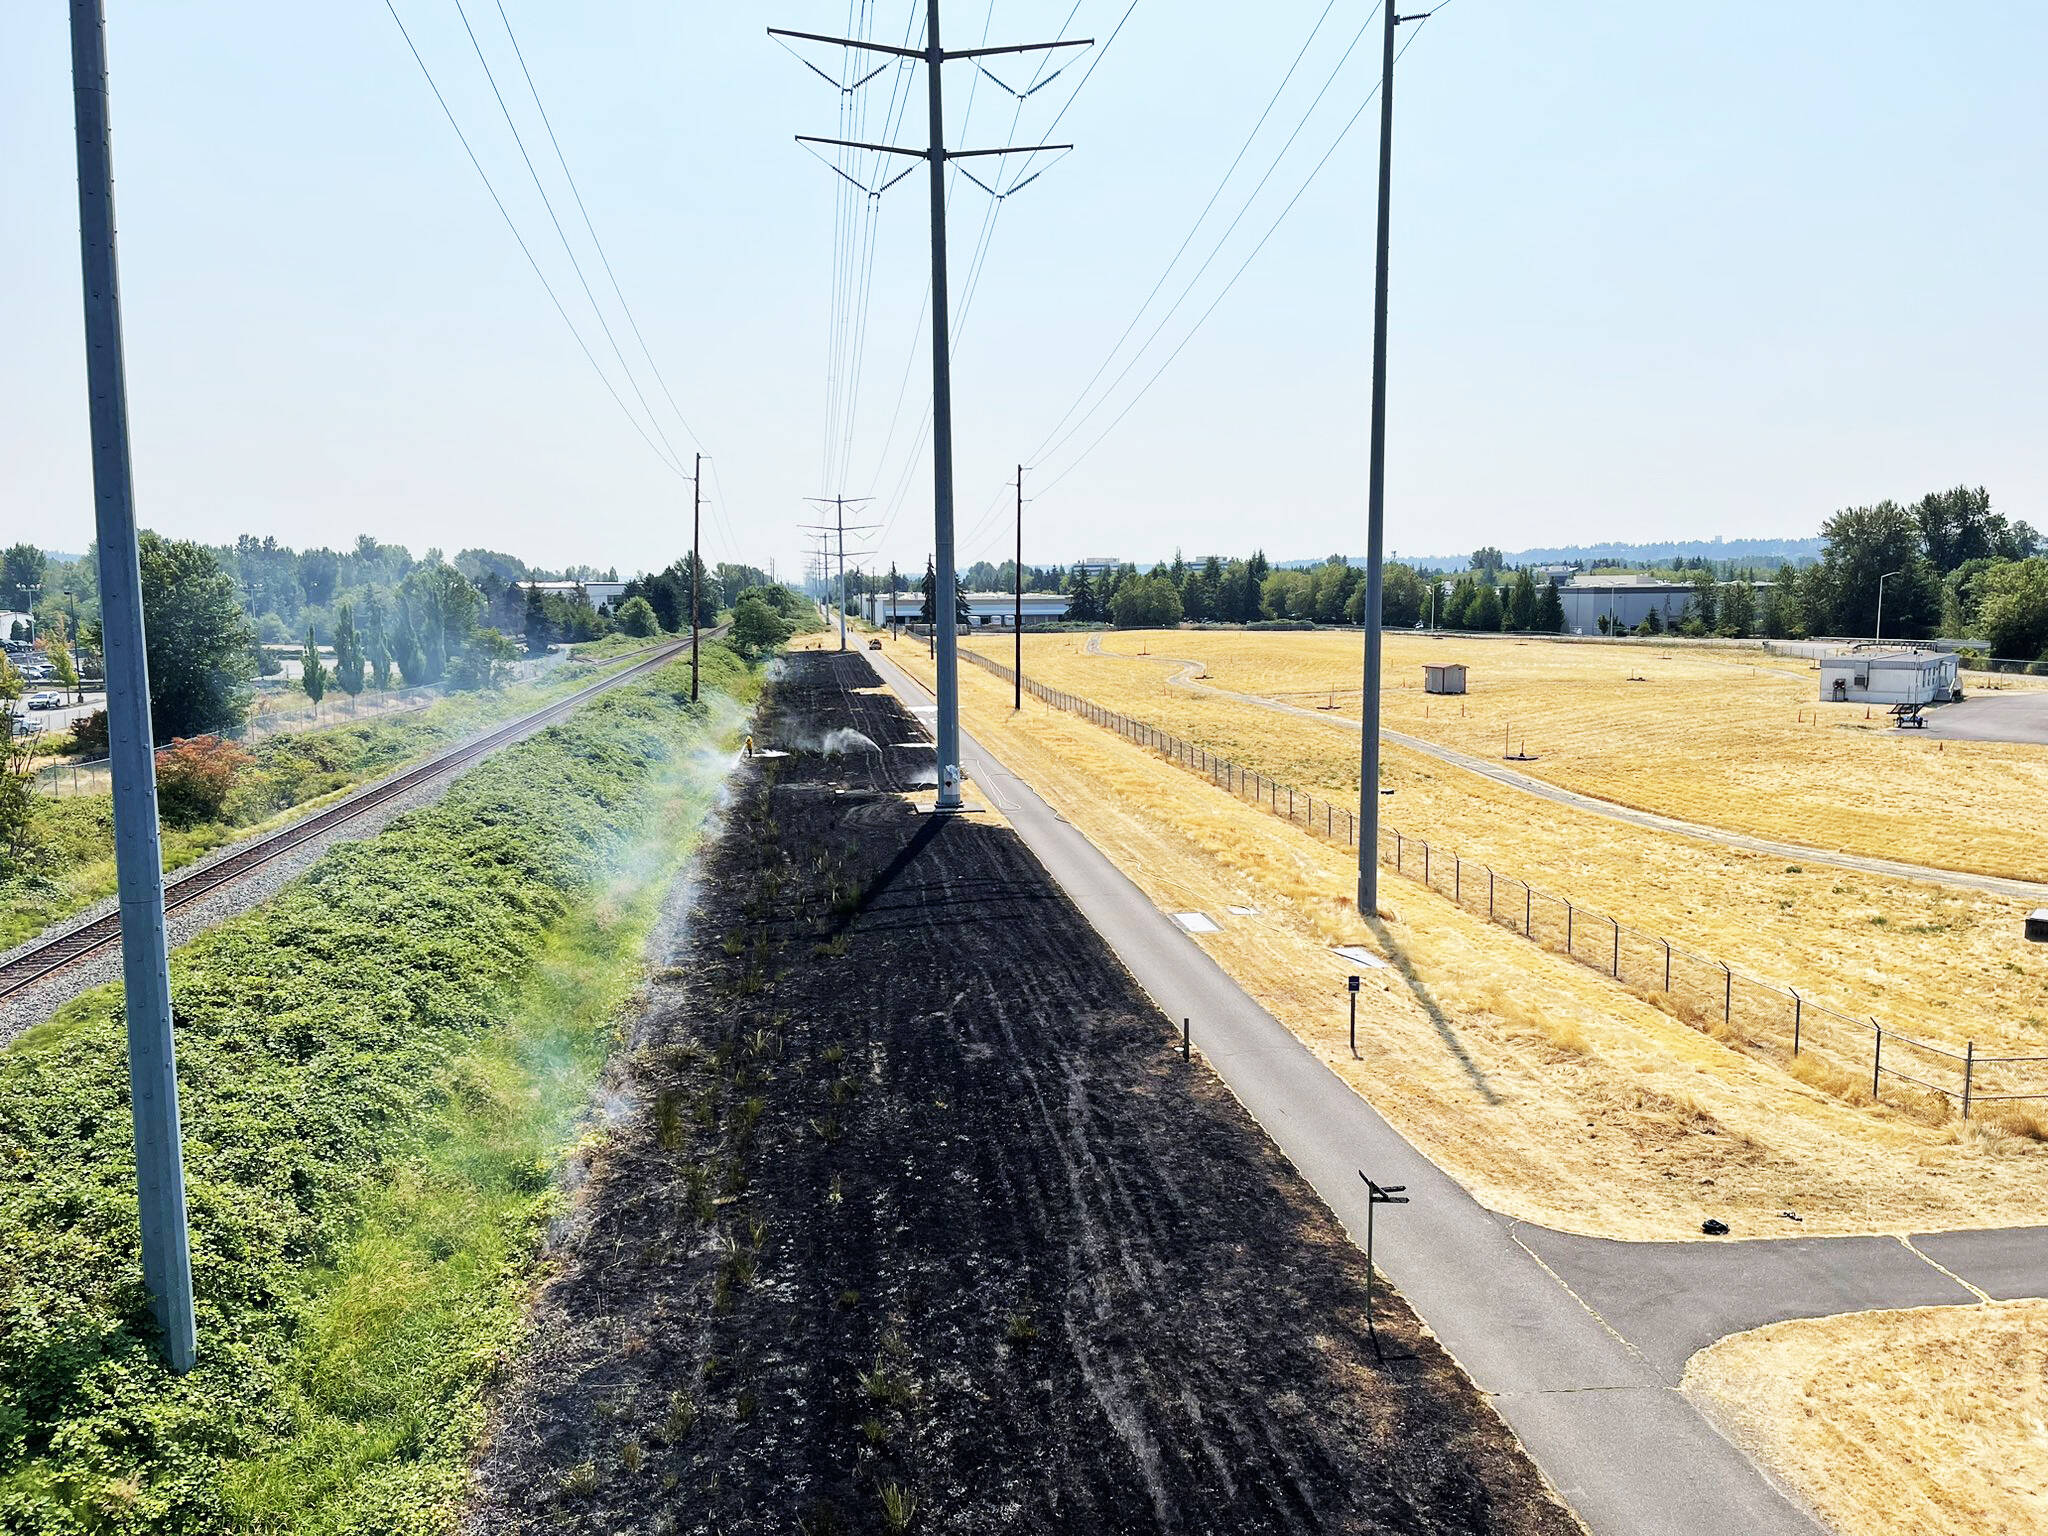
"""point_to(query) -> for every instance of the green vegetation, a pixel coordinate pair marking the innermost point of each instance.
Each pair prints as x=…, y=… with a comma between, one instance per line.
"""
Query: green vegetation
x=64, y=859
x=380, y=1070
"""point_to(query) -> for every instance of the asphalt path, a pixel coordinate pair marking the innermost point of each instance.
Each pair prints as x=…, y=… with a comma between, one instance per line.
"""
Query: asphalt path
x=2016, y=716
x=2018, y=890
x=1579, y=1341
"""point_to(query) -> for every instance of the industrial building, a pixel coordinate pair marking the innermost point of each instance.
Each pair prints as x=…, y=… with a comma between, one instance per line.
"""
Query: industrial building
x=1871, y=675
x=599, y=593
x=1624, y=598
x=985, y=610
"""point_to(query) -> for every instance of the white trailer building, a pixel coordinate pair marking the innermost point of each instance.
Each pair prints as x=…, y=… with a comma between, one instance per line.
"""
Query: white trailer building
x=1897, y=676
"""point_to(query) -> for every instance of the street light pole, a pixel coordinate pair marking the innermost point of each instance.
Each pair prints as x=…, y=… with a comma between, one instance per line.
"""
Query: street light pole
x=1877, y=635
x=138, y=855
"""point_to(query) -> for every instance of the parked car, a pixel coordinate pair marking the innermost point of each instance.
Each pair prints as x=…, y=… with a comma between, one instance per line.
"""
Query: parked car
x=46, y=701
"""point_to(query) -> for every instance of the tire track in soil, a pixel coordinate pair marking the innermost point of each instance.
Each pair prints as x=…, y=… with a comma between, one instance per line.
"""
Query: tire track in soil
x=894, y=1045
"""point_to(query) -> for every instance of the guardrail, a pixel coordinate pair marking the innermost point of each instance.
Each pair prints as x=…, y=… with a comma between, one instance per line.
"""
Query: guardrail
x=1738, y=1009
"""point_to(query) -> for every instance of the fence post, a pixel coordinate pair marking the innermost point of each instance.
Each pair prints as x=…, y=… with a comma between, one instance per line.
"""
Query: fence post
x=1617, y=949
x=1798, y=1010
x=1528, y=910
x=1667, y=963
x=1425, y=861
x=1876, y=1057
x=1569, y=914
x=1397, y=852
x=1457, y=880
x=1969, y=1071
x=1489, y=892
x=1727, y=995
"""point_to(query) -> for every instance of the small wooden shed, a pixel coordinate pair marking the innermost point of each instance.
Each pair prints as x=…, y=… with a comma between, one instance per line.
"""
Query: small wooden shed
x=1443, y=677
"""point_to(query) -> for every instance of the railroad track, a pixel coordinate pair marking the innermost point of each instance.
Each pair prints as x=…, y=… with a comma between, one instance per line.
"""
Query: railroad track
x=181, y=891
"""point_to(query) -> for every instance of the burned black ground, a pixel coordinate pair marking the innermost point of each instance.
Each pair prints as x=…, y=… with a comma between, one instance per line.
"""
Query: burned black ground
x=915, y=1219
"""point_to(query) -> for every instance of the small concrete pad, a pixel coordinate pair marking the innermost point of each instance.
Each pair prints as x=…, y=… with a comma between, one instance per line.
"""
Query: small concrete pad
x=1197, y=922
x=1364, y=957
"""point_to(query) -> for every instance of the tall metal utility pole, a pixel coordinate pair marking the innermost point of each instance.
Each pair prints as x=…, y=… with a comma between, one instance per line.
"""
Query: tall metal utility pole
x=1376, y=504
x=840, y=504
x=945, y=625
x=696, y=563
x=138, y=858
x=1017, y=681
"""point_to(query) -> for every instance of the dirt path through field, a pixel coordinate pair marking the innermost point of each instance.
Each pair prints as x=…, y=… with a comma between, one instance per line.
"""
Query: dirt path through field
x=912, y=1217
x=1186, y=672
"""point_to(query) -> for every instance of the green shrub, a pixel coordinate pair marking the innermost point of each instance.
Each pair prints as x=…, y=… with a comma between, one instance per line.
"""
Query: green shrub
x=322, y=1039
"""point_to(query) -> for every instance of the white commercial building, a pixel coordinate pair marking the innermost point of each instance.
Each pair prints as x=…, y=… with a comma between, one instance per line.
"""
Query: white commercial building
x=598, y=592
x=1888, y=676
x=985, y=610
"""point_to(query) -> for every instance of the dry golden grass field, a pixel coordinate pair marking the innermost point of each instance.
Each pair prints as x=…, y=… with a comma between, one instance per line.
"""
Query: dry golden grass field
x=1942, y=964
x=1954, y=1442
x=1547, y=1090
x=1724, y=737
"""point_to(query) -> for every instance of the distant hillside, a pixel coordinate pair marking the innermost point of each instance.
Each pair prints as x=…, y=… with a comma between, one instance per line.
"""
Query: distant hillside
x=1588, y=554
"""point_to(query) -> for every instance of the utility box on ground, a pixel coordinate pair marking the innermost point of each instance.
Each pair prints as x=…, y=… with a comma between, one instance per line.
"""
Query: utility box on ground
x=1443, y=677
x=1888, y=677
x=2037, y=925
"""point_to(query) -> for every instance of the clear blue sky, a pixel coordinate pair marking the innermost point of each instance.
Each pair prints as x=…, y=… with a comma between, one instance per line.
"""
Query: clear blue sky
x=1659, y=271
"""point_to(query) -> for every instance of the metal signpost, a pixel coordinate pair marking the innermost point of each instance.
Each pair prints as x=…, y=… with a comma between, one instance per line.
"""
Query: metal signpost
x=1376, y=1196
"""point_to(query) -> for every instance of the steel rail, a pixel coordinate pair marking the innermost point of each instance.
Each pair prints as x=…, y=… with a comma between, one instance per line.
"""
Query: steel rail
x=66, y=949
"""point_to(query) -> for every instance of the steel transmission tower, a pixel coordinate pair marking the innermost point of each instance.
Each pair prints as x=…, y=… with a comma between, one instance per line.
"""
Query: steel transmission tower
x=935, y=57
x=839, y=504
x=1376, y=513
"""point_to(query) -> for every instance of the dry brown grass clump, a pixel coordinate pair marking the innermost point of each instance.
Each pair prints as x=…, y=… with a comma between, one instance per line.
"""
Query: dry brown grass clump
x=1932, y=1421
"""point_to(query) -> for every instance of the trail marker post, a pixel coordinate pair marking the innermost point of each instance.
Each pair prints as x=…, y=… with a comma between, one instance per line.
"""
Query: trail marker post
x=1353, y=989
x=1376, y=1196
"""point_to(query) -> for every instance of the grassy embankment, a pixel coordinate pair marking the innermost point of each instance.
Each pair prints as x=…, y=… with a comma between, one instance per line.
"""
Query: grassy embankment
x=381, y=1070
x=1550, y=1092
x=1943, y=964
x=1954, y=1443
x=292, y=776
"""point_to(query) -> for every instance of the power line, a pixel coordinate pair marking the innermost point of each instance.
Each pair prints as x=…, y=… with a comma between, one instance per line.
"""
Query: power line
x=1017, y=182
x=563, y=235
x=1342, y=134
x=525, y=249
x=577, y=193
x=1059, y=440
x=1195, y=228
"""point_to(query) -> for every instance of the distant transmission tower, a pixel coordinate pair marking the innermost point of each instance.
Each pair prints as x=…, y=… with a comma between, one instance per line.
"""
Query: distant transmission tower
x=936, y=155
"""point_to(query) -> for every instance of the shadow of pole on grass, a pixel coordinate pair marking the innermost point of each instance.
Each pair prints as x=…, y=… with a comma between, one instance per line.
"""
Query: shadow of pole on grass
x=1446, y=1030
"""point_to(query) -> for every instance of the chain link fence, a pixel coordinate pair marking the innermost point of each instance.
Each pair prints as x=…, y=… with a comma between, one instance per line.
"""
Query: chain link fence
x=1855, y=1051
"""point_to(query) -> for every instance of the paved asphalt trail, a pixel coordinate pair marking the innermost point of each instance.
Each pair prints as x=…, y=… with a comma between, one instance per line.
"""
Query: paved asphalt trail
x=1580, y=1341
x=2019, y=890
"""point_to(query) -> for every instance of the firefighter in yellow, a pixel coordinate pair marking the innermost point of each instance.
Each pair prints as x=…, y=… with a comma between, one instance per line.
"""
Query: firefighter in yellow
x=750, y=743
